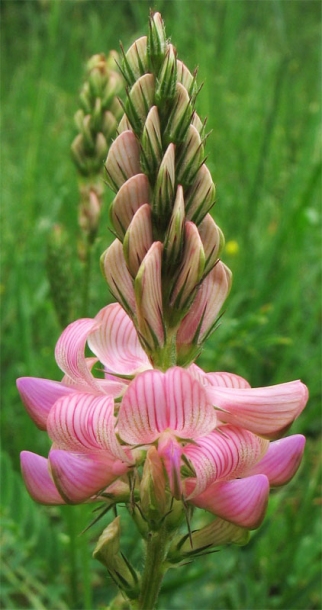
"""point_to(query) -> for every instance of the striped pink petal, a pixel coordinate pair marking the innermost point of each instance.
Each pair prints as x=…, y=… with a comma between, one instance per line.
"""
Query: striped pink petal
x=84, y=422
x=81, y=476
x=39, y=395
x=264, y=411
x=225, y=453
x=281, y=461
x=155, y=402
x=69, y=353
x=149, y=297
x=227, y=380
x=132, y=194
x=242, y=501
x=118, y=276
x=123, y=160
x=37, y=479
x=116, y=344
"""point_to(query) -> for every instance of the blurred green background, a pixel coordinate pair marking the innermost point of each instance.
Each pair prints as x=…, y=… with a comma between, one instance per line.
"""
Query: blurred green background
x=259, y=62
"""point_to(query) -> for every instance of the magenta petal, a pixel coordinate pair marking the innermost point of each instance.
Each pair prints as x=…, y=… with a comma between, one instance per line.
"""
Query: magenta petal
x=70, y=355
x=281, y=461
x=264, y=411
x=116, y=344
x=37, y=479
x=81, y=476
x=39, y=395
x=84, y=422
x=156, y=401
x=227, y=452
x=242, y=501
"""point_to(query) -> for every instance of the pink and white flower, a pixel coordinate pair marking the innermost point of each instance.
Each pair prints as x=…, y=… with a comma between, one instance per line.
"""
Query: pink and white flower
x=212, y=431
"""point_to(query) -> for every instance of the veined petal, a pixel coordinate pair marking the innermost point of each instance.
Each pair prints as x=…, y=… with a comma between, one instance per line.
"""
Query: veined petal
x=37, y=479
x=227, y=380
x=155, y=402
x=225, y=453
x=118, y=276
x=69, y=353
x=81, y=476
x=132, y=194
x=39, y=395
x=242, y=501
x=191, y=270
x=264, y=411
x=210, y=297
x=149, y=297
x=123, y=160
x=84, y=422
x=138, y=239
x=116, y=344
x=281, y=461
x=170, y=451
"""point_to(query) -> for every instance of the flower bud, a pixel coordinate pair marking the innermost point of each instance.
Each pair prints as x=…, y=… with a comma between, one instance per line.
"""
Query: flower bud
x=164, y=188
x=107, y=551
x=191, y=270
x=132, y=194
x=123, y=160
x=167, y=79
x=173, y=243
x=180, y=116
x=200, y=197
x=157, y=44
x=138, y=239
x=152, y=488
x=149, y=299
x=118, y=277
x=185, y=77
x=140, y=99
x=217, y=533
x=89, y=210
x=135, y=61
x=213, y=241
x=190, y=157
x=151, y=144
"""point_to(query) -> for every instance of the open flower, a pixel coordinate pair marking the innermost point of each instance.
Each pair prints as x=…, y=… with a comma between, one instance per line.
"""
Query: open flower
x=211, y=431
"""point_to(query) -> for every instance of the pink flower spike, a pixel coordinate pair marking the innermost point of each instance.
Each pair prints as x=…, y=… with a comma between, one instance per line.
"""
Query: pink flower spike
x=116, y=344
x=39, y=395
x=281, y=461
x=37, y=479
x=69, y=353
x=81, y=476
x=85, y=422
x=242, y=501
x=265, y=411
x=155, y=402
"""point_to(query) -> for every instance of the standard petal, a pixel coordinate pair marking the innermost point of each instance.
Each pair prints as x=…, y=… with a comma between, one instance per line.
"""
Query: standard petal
x=264, y=411
x=81, y=476
x=225, y=453
x=39, y=395
x=242, y=501
x=281, y=461
x=85, y=422
x=69, y=353
x=155, y=402
x=37, y=479
x=116, y=344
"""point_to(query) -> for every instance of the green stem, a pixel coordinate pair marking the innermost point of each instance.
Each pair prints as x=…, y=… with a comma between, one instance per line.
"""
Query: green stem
x=154, y=571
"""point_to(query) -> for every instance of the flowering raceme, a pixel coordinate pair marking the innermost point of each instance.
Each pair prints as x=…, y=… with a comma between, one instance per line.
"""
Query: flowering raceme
x=155, y=431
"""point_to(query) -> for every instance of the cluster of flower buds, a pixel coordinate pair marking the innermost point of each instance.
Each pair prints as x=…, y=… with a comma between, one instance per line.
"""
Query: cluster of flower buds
x=96, y=122
x=163, y=267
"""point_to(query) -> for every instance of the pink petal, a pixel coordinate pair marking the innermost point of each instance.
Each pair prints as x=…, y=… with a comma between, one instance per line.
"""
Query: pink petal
x=123, y=160
x=264, y=411
x=156, y=401
x=227, y=380
x=242, y=501
x=79, y=477
x=39, y=395
x=281, y=461
x=116, y=344
x=118, y=276
x=149, y=297
x=206, y=306
x=132, y=194
x=84, y=422
x=170, y=451
x=225, y=453
x=37, y=479
x=138, y=239
x=70, y=355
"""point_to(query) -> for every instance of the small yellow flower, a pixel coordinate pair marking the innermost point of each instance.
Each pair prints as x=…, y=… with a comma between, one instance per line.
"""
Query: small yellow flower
x=232, y=247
